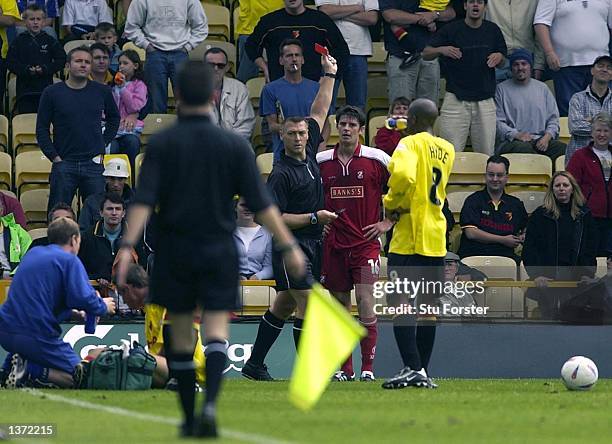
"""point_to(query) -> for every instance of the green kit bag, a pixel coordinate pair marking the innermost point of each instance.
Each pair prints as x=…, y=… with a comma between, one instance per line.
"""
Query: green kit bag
x=122, y=368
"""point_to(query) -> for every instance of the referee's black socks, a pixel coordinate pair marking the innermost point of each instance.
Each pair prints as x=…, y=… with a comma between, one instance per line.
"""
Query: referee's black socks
x=405, y=331
x=182, y=367
x=216, y=359
x=269, y=329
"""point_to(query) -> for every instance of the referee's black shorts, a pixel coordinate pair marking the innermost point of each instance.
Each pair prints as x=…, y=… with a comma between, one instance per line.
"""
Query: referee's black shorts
x=189, y=272
x=313, y=252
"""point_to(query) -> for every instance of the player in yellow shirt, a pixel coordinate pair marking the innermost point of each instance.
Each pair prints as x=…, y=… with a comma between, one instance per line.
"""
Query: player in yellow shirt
x=156, y=326
x=420, y=168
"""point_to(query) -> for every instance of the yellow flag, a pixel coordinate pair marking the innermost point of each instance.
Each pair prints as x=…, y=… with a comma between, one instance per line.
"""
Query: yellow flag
x=329, y=335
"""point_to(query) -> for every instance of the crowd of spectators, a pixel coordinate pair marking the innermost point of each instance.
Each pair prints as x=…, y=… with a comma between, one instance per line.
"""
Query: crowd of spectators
x=493, y=59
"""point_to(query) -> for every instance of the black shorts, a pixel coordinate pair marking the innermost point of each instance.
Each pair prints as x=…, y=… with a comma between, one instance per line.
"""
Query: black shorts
x=312, y=250
x=189, y=273
x=426, y=270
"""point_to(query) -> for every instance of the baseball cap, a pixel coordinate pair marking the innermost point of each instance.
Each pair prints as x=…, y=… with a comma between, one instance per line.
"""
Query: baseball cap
x=450, y=256
x=116, y=167
x=607, y=58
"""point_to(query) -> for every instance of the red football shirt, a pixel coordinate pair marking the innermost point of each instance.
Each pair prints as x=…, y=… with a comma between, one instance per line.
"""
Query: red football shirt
x=354, y=190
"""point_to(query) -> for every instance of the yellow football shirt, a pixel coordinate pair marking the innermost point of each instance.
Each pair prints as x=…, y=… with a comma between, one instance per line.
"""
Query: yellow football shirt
x=9, y=7
x=251, y=11
x=155, y=319
x=420, y=167
x=434, y=5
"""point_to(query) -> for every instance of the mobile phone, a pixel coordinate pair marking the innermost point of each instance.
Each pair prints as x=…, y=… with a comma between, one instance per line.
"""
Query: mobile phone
x=320, y=49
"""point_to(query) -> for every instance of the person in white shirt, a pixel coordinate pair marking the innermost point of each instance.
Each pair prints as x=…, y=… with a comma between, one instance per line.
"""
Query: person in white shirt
x=352, y=17
x=80, y=18
x=167, y=31
x=254, y=245
x=572, y=34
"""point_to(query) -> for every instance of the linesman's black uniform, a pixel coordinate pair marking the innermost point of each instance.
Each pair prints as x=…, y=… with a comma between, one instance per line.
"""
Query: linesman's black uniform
x=191, y=171
x=297, y=189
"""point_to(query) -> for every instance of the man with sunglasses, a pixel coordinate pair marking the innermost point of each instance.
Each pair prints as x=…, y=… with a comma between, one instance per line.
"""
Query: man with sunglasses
x=232, y=108
x=492, y=222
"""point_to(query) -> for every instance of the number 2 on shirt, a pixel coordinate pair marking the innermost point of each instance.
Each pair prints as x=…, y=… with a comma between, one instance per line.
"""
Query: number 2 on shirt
x=433, y=191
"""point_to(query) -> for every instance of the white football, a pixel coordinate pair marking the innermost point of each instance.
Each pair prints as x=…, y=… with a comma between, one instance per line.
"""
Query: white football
x=579, y=373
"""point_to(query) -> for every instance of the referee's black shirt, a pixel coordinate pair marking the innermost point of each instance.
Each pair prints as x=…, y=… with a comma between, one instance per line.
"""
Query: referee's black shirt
x=296, y=185
x=191, y=172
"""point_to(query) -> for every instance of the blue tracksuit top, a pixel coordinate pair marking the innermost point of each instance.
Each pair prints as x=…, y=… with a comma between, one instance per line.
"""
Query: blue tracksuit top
x=48, y=284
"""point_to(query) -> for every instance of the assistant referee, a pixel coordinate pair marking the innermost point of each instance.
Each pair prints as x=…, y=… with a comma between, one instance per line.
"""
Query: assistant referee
x=190, y=175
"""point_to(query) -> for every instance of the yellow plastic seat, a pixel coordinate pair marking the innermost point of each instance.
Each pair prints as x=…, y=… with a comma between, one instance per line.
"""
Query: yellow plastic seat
x=377, y=63
x=37, y=233
x=154, y=123
x=531, y=199
x=255, y=86
x=503, y=302
x=265, y=163
x=374, y=125
x=564, y=133
x=34, y=203
x=218, y=21
x=32, y=169
x=529, y=170
x=69, y=46
x=6, y=171
x=141, y=52
x=456, y=199
x=468, y=173
x=137, y=166
x=24, y=133
x=4, y=133
x=560, y=164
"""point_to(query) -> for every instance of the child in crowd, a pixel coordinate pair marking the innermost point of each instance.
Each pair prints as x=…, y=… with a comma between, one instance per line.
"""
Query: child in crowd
x=80, y=18
x=107, y=35
x=130, y=93
x=51, y=8
x=387, y=139
x=34, y=56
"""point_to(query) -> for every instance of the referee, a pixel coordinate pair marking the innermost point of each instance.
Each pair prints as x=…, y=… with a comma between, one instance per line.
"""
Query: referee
x=190, y=175
x=295, y=184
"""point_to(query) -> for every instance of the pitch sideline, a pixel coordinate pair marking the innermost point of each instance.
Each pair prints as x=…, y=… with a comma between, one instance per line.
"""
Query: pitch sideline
x=225, y=433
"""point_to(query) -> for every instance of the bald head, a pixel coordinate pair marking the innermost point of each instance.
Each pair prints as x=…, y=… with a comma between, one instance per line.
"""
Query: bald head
x=424, y=112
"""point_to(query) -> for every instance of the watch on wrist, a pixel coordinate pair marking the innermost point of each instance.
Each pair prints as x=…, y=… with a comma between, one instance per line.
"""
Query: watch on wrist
x=314, y=219
x=329, y=74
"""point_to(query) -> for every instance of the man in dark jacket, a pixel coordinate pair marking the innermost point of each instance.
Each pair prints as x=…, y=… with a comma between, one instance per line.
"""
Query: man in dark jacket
x=116, y=174
x=34, y=56
x=101, y=242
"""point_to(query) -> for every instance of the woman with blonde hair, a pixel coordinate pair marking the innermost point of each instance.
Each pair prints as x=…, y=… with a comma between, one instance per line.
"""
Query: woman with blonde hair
x=561, y=243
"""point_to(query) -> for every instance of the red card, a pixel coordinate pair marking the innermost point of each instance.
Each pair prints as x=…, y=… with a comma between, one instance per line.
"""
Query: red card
x=320, y=49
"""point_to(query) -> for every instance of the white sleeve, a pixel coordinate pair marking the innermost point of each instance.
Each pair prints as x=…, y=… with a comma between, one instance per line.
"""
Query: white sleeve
x=134, y=23
x=545, y=12
x=370, y=5
x=326, y=2
x=106, y=14
x=68, y=14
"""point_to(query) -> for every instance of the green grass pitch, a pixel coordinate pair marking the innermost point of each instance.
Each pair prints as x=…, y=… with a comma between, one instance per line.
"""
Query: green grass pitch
x=460, y=411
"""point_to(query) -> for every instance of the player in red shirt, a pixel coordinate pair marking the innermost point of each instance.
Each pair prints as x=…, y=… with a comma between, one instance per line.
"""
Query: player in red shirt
x=354, y=177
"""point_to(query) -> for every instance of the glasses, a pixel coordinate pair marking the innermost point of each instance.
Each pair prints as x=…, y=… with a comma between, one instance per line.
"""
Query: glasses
x=496, y=175
x=217, y=65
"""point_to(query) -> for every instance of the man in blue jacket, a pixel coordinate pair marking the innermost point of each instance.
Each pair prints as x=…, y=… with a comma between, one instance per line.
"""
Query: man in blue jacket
x=50, y=282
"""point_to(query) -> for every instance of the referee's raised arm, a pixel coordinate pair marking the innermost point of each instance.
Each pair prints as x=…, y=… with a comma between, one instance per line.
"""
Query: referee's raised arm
x=322, y=101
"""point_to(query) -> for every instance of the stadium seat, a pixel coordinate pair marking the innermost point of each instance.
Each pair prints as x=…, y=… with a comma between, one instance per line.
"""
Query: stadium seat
x=374, y=125
x=468, y=172
x=377, y=63
x=235, y=20
x=255, y=85
x=564, y=133
x=334, y=136
x=265, y=162
x=502, y=302
x=37, y=233
x=560, y=164
x=9, y=193
x=108, y=157
x=383, y=268
x=69, y=46
x=4, y=133
x=24, y=133
x=154, y=123
x=32, y=170
x=602, y=267
x=528, y=170
x=257, y=139
x=141, y=52
x=34, y=203
x=256, y=299
x=137, y=165
x=531, y=199
x=378, y=96
x=455, y=202
x=6, y=170
x=218, y=21
x=198, y=52
x=529, y=304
